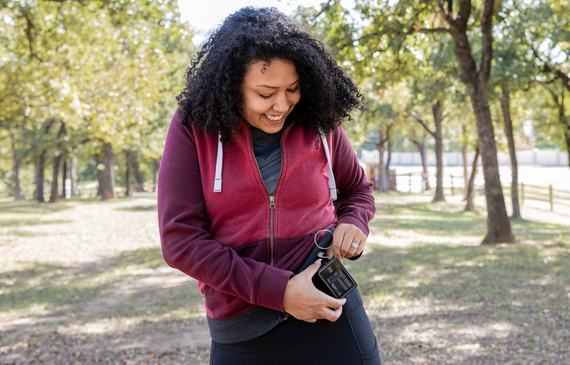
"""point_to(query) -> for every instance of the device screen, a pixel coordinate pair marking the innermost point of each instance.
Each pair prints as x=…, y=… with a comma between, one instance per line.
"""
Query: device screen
x=337, y=278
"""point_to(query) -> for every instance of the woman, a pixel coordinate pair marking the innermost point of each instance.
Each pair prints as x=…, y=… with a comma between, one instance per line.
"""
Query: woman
x=253, y=161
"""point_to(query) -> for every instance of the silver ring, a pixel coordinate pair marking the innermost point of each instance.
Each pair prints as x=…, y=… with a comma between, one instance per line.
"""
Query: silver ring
x=354, y=244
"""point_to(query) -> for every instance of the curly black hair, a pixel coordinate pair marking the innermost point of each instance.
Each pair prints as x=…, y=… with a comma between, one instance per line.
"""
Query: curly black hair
x=212, y=99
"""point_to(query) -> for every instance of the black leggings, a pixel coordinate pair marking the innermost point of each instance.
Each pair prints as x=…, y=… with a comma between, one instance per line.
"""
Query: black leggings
x=348, y=341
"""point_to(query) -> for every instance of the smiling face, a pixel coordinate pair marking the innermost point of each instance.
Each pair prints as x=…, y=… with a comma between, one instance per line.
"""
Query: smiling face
x=270, y=92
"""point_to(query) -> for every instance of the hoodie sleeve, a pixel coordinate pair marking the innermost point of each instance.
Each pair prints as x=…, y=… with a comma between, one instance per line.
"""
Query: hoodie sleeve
x=186, y=242
x=355, y=204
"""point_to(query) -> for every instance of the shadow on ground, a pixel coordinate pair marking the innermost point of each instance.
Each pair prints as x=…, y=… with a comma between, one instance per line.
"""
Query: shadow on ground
x=436, y=220
x=127, y=307
x=467, y=304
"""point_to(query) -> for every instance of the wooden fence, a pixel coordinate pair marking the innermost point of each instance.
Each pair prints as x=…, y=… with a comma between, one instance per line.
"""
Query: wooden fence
x=544, y=194
x=414, y=183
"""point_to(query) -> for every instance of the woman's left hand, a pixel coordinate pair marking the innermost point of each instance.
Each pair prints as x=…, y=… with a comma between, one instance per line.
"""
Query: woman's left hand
x=348, y=241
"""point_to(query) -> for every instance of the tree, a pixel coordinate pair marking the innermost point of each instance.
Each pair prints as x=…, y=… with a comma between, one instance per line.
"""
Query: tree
x=108, y=70
x=476, y=79
x=549, y=50
x=383, y=31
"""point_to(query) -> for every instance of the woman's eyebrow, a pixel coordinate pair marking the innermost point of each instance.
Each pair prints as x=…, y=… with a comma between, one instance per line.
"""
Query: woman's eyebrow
x=277, y=87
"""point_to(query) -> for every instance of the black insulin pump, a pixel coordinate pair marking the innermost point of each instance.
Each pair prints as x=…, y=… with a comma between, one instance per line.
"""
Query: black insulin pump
x=335, y=278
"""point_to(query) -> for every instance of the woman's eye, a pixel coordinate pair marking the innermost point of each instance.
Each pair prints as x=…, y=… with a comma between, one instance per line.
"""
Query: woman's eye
x=265, y=96
x=295, y=89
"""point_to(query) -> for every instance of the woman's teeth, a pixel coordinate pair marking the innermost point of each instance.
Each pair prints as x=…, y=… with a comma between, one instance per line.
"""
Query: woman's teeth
x=273, y=118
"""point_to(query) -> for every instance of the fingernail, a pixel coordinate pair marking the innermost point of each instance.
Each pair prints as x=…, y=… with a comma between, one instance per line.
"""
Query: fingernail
x=318, y=261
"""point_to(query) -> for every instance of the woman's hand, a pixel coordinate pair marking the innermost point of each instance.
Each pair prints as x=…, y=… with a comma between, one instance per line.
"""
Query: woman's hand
x=305, y=302
x=343, y=238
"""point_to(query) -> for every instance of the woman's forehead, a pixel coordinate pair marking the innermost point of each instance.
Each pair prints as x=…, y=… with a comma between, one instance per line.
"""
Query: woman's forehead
x=278, y=70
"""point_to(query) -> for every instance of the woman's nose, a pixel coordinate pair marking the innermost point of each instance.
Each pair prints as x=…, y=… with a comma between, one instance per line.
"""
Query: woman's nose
x=281, y=103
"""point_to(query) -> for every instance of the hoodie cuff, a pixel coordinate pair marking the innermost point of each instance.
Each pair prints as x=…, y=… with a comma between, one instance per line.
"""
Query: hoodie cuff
x=271, y=287
x=355, y=222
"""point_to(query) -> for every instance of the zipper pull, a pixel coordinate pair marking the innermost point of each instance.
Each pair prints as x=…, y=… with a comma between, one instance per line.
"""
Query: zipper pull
x=271, y=202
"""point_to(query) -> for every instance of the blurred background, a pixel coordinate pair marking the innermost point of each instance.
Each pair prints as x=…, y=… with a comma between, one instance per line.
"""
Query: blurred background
x=87, y=89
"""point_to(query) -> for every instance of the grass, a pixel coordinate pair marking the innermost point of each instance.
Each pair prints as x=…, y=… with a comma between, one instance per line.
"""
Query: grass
x=138, y=208
x=55, y=287
x=29, y=221
x=31, y=207
x=434, y=295
x=478, y=303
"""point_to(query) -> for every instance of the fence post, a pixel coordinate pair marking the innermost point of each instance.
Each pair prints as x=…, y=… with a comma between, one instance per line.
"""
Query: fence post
x=395, y=182
x=452, y=189
x=522, y=193
x=410, y=179
x=551, y=198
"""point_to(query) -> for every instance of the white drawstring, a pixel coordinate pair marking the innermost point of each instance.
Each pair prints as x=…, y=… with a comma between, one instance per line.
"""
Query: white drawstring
x=332, y=183
x=220, y=162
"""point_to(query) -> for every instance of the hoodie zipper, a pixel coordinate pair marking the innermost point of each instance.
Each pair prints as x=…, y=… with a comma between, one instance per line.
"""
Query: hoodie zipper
x=271, y=197
x=271, y=209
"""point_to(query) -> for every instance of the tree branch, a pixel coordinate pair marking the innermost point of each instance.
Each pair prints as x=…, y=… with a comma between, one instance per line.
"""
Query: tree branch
x=31, y=36
x=424, y=125
x=433, y=30
x=546, y=68
x=324, y=9
x=445, y=15
x=438, y=53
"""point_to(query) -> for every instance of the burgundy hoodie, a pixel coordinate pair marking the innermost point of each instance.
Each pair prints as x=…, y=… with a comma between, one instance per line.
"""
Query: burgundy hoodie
x=241, y=244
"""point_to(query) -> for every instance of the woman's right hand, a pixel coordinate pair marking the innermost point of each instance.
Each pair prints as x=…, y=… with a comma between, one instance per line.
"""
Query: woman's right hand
x=305, y=302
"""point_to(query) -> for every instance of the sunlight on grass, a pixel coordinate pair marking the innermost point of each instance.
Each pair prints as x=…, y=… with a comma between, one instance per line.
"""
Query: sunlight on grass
x=35, y=221
x=139, y=208
x=31, y=207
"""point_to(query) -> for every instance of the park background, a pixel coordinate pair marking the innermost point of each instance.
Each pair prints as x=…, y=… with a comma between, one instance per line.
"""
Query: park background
x=467, y=102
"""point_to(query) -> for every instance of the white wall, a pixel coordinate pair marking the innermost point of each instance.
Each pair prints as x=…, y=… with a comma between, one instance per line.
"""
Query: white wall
x=524, y=157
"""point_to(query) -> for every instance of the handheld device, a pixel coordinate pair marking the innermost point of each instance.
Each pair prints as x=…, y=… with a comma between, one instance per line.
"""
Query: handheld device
x=337, y=278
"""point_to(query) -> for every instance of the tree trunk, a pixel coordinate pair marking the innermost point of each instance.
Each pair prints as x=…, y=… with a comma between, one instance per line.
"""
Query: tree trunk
x=17, y=191
x=40, y=167
x=470, y=207
x=422, y=149
x=506, y=107
x=73, y=176
x=437, y=109
x=464, y=156
x=567, y=136
x=64, y=180
x=100, y=168
x=55, y=179
x=562, y=118
x=128, y=173
x=155, y=168
x=498, y=223
x=139, y=187
x=56, y=162
x=107, y=182
x=389, y=159
x=383, y=186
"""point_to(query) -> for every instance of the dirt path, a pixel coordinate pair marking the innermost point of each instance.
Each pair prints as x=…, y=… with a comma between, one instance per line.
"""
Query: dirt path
x=88, y=285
